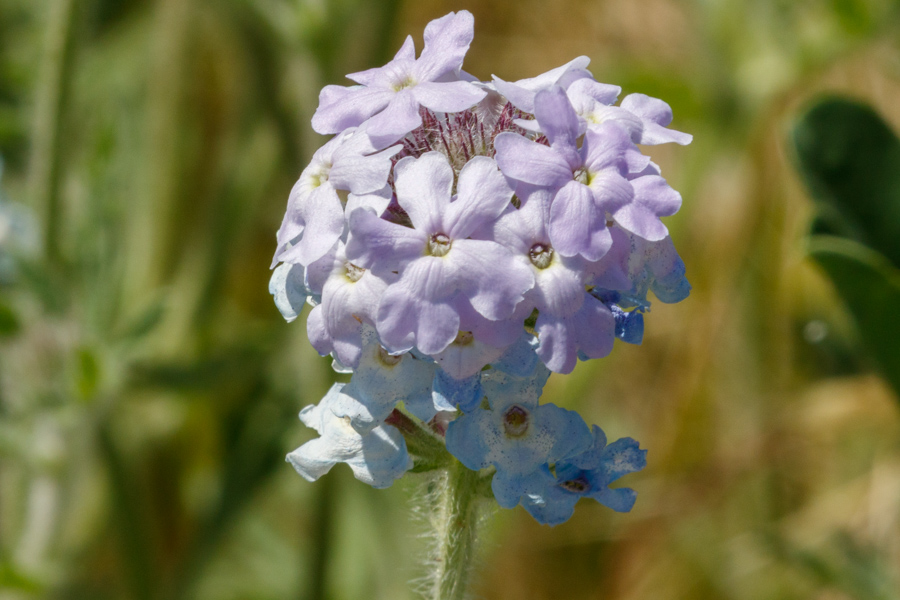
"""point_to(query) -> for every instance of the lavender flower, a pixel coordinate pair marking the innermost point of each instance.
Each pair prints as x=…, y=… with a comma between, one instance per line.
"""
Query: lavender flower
x=314, y=219
x=439, y=267
x=388, y=98
x=459, y=240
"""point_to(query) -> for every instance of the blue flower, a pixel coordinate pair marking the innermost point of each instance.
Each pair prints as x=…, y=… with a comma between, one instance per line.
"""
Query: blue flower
x=552, y=500
x=516, y=435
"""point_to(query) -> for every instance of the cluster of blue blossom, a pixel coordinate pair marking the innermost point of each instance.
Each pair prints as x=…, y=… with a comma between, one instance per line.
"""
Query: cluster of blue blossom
x=459, y=240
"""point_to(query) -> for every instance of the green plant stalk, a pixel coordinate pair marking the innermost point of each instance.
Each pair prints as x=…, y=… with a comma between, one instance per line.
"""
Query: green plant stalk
x=47, y=139
x=455, y=524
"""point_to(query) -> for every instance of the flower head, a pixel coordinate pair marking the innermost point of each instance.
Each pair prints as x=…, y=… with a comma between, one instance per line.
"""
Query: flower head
x=459, y=241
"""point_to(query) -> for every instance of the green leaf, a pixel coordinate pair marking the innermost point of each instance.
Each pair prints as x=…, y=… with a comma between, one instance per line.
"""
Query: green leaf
x=13, y=580
x=87, y=376
x=870, y=288
x=9, y=322
x=850, y=161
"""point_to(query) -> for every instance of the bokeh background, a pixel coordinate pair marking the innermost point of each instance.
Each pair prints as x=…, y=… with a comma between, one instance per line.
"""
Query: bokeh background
x=149, y=388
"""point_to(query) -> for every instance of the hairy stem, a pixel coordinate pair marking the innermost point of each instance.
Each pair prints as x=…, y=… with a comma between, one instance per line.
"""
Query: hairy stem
x=456, y=522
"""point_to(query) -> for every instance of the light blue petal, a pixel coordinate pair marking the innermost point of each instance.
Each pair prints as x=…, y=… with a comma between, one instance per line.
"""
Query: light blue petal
x=382, y=459
x=382, y=380
x=553, y=510
x=622, y=457
x=520, y=359
x=363, y=416
x=448, y=393
x=569, y=432
x=468, y=438
x=502, y=388
x=620, y=499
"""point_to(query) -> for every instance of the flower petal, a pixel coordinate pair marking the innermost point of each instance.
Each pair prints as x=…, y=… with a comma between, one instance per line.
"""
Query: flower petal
x=342, y=107
x=450, y=97
x=495, y=281
x=380, y=245
x=416, y=310
x=423, y=189
x=482, y=194
x=324, y=217
x=528, y=161
x=559, y=123
x=577, y=226
x=399, y=117
x=446, y=42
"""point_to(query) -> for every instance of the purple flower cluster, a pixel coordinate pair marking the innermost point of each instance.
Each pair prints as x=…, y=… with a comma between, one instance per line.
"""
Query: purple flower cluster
x=458, y=241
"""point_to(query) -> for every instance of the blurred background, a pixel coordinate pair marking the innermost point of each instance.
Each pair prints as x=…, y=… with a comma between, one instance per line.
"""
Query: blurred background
x=149, y=387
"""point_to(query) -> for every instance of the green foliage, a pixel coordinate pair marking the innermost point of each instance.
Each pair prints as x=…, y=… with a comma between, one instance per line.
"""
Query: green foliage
x=850, y=161
x=870, y=287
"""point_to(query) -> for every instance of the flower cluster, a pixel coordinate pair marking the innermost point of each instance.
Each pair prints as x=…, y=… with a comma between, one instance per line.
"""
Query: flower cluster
x=458, y=241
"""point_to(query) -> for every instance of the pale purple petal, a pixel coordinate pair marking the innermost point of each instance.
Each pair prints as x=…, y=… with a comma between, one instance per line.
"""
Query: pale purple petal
x=603, y=93
x=611, y=191
x=324, y=218
x=605, y=147
x=346, y=305
x=655, y=114
x=499, y=334
x=495, y=280
x=446, y=42
x=319, y=271
x=611, y=271
x=360, y=174
x=531, y=162
x=399, y=118
x=598, y=114
x=647, y=108
x=656, y=134
x=595, y=328
x=591, y=330
x=653, y=198
x=559, y=123
x=414, y=312
x=376, y=77
x=462, y=359
x=454, y=96
x=317, y=333
x=292, y=226
x=407, y=51
x=557, y=347
x=577, y=225
x=558, y=290
x=423, y=189
x=482, y=194
x=573, y=75
x=377, y=201
x=376, y=244
x=520, y=97
x=522, y=92
x=342, y=107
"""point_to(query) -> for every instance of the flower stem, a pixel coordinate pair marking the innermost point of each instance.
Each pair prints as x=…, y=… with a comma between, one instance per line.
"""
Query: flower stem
x=456, y=522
